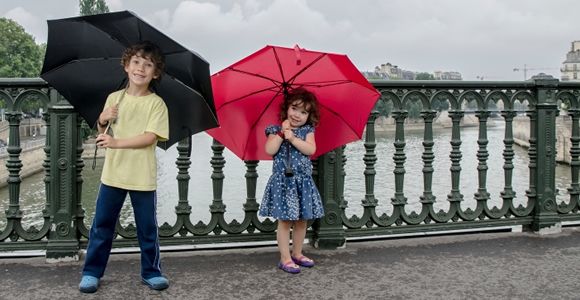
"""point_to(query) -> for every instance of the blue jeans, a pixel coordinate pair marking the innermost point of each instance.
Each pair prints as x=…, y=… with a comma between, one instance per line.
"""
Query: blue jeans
x=109, y=203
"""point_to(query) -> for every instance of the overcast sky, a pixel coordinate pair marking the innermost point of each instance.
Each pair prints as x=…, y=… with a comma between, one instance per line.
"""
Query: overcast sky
x=479, y=38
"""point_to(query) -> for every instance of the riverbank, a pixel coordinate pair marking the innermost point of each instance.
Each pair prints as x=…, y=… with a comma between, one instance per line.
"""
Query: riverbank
x=442, y=121
x=33, y=159
x=521, y=131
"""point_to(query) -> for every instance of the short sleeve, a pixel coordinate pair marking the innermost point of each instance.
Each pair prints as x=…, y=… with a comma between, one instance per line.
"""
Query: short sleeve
x=309, y=129
x=159, y=120
x=272, y=129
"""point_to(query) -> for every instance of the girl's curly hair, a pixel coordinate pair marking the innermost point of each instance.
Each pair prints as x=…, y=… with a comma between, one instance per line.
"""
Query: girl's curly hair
x=304, y=97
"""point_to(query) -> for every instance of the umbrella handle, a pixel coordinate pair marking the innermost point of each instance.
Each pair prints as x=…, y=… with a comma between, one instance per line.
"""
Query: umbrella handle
x=288, y=170
x=97, y=148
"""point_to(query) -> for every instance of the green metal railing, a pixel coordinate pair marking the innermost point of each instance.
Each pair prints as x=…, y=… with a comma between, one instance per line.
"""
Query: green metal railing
x=64, y=231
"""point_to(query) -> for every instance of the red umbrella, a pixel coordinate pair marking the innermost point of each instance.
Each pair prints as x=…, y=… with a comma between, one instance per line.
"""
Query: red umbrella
x=248, y=94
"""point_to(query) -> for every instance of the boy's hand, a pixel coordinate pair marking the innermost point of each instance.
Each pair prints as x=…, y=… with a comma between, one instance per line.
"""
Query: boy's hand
x=109, y=114
x=106, y=141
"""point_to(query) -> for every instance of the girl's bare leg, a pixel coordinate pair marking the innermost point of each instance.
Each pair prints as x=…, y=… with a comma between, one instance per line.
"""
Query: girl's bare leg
x=298, y=235
x=283, y=238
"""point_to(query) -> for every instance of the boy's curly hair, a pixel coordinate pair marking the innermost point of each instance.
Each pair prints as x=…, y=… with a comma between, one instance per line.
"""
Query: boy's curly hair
x=148, y=50
x=305, y=97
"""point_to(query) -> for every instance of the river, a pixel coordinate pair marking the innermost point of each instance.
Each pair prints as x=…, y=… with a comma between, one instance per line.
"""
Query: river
x=32, y=193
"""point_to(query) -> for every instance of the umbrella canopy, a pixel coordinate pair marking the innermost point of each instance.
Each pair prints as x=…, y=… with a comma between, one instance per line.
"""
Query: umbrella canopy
x=248, y=95
x=83, y=63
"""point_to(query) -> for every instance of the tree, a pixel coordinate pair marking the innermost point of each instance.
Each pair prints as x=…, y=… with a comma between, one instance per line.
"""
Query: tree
x=424, y=76
x=93, y=7
x=20, y=55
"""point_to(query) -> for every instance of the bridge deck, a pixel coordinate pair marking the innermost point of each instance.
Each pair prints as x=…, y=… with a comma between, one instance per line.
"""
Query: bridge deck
x=475, y=266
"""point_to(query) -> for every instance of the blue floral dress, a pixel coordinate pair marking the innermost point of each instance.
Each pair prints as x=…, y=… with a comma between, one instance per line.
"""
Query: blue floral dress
x=295, y=197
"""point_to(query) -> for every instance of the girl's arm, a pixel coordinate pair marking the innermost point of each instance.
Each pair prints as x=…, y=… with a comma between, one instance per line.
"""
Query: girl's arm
x=273, y=144
x=136, y=142
x=307, y=146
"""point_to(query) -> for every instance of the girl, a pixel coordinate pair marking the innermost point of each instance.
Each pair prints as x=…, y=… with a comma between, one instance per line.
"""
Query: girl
x=291, y=196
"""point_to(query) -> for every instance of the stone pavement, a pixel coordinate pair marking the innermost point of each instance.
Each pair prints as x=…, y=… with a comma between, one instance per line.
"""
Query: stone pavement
x=468, y=266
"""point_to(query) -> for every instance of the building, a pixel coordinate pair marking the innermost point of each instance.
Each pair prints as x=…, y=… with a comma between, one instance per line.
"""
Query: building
x=571, y=66
x=394, y=72
x=389, y=71
x=452, y=75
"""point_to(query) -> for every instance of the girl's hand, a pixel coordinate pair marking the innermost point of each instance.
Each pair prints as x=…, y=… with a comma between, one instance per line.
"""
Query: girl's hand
x=106, y=141
x=287, y=131
x=285, y=125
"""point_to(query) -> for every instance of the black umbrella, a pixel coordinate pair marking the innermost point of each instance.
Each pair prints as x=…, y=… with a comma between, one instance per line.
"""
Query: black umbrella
x=82, y=63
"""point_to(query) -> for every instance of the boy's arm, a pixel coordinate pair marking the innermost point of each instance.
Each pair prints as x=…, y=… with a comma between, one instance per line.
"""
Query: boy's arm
x=107, y=115
x=136, y=142
x=101, y=127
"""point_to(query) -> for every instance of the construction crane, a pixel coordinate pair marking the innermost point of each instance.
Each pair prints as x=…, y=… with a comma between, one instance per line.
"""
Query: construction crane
x=525, y=69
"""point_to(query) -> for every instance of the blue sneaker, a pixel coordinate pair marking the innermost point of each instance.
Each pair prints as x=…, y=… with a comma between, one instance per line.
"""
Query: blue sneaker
x=156, y=283
x=89, y=284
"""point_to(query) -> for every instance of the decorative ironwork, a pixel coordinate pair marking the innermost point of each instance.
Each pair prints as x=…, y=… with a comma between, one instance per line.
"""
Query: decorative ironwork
x=63, y=231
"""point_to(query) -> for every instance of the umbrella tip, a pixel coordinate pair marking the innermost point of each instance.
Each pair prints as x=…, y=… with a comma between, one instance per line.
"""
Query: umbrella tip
x=297, y=52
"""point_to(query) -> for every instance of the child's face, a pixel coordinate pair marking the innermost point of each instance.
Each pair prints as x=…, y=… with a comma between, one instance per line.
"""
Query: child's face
x=140, y=70
x=297, y=114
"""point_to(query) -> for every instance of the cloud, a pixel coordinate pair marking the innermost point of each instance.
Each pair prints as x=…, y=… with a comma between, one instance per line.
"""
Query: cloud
x=223, y=35
x=33, y=24
x=114, y=5
x=478, y=38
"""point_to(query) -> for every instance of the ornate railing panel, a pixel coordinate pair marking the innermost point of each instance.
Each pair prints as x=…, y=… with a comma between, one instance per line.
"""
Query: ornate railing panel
x=13, y=93
x=65, y=231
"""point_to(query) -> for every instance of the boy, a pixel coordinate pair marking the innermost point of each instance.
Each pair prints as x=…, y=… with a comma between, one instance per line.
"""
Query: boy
x=138, y=119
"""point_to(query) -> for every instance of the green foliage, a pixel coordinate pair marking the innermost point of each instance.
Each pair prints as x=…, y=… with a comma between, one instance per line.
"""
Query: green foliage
x=383, y=108
x=93, y=7
x=32, y=105
x=87, y=131
x=20, y=55
x=414, y=109
x=424, y=76
x=440, y=104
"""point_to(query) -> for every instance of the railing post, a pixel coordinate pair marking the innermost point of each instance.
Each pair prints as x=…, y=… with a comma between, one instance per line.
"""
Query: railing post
x=63, y=243
x=328, y=232
x=546, y=218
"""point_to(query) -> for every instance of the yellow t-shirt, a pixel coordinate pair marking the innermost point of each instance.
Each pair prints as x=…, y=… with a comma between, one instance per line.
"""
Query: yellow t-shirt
x=135, y=169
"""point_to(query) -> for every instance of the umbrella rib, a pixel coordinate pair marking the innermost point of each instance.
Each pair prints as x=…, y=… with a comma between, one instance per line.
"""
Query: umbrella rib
x=271, y=88
x=291, y=80
x=258, y=119
x=321, y=84
x=276, y=82
x=337, y=115
x=279, y=65
x=214, y=115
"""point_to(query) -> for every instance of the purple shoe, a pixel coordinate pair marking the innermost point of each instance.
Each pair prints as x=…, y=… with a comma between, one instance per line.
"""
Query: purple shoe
x=303, y=261
x=288, y=268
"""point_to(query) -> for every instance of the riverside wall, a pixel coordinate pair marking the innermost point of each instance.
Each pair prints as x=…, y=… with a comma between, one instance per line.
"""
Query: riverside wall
x=32, y=159
x=521, y=129
x=442, y=120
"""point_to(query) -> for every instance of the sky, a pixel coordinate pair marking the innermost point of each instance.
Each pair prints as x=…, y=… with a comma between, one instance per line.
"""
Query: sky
x=479, y=38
